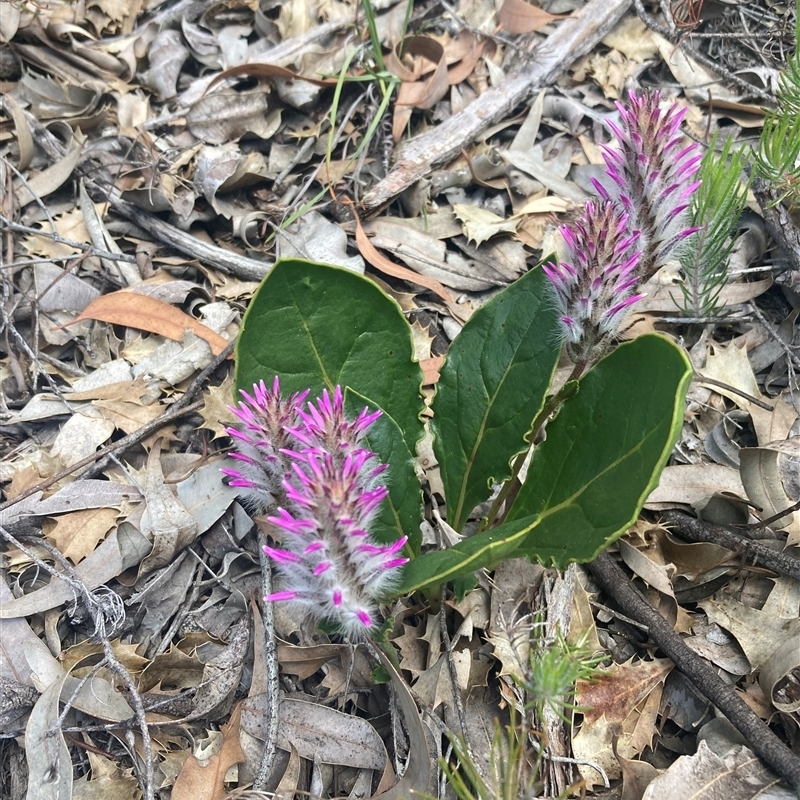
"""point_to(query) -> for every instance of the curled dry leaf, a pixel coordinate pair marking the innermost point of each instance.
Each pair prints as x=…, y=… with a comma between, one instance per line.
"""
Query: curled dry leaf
x=148, y=314
x=205, y=780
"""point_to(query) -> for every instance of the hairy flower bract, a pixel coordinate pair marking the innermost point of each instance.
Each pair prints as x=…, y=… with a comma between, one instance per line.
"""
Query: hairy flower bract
x=304, y=464
x=626, y=237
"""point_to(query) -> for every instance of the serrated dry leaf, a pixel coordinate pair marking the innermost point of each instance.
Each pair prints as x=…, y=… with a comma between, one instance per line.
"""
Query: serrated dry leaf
x=205, y=780
x=145, y=313
x=128, y=417
x=480, y=224
x=216, y=411
x=77, y=534
x=435, y=685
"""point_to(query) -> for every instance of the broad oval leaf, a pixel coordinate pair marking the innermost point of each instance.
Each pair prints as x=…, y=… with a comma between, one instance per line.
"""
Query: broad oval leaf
x=492, y=385
x=401, y=512
x=316, y=326
x=604, y=452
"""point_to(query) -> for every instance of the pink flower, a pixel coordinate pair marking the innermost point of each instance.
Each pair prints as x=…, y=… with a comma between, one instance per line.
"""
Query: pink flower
x=324, y=494
x=651, y=176
x=594, y=289
x=622, y=240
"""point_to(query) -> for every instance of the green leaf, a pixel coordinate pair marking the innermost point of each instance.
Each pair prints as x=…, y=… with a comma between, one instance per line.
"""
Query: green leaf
x=481, y=551
x=492, y=385
x=316, y=326
x=401, y=512
x=604, y=452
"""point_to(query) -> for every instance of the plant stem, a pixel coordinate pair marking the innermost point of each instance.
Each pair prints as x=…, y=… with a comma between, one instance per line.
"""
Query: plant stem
x=512, y=485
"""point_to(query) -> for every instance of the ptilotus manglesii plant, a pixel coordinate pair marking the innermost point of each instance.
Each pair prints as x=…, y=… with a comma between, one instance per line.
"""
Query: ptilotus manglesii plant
x=619, y=243
x=305, y=464
x=608, y=432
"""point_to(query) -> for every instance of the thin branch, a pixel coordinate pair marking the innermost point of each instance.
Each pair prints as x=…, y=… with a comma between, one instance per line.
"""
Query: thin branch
x=16, y=227
x=695, y=530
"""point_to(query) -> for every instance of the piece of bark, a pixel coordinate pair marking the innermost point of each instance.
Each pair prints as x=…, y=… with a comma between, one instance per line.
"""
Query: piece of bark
x=573, y=38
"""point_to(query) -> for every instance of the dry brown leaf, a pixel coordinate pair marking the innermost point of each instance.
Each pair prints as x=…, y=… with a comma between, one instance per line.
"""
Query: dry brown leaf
x=517, y=16
x=148, y=314
x=128, y=417
x=216, y=411
x=430, y=370
x=262, y=70
x=77, y=534
x=205, y=780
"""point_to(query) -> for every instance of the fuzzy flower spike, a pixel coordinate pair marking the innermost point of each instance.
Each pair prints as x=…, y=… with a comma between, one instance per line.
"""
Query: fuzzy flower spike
x=328, y=496
x=594, y=289
x=650, y=176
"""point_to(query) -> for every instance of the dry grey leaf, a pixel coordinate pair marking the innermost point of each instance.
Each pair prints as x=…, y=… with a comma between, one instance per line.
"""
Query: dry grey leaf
x=226, y=116
x=738, y=775
x=97, y=568
x=81, y=435
x=317, y=239
x=49, y=763
x=771, y=478
x=60, y=290
x=174, y=362
x=54, y=177
x=221, y=676
x=165, y=521
x=759, y=632
x=205, y=496
x=315, y=730
x=83, y=494
x=18, y=644
x=167, y=55
x=689, y=484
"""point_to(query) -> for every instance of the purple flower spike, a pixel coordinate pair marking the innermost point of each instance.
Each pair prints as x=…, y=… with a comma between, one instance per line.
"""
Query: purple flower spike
x=650, y=176
x=260, y=438
x=595, y=287
x=626, y=237
x=306, y=465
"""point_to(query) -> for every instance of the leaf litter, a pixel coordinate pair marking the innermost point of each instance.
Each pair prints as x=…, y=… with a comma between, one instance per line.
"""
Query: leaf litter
x=156, y=159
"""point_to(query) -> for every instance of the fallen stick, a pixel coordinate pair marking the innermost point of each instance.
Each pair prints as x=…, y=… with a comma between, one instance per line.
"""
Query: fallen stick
x=760, y=737
x=573, y=38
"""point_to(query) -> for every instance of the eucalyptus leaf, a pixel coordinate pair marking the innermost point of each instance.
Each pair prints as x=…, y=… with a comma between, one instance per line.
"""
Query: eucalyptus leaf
x=401, y=512
x=316, y=326
x=604, y=452
x=492, y=385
